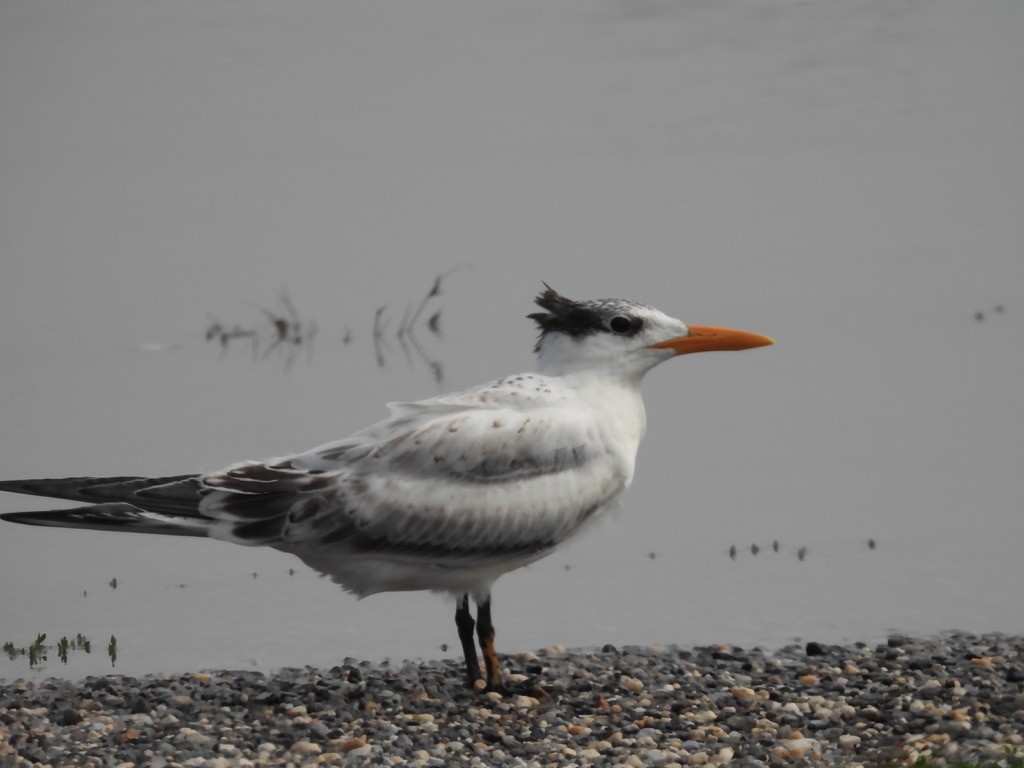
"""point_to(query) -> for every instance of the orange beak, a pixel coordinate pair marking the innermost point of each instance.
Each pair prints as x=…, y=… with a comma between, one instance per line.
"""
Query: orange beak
x=710, y=338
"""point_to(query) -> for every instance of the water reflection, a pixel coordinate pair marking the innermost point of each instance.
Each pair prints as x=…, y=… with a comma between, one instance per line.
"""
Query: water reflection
x=38, y=651
x=284, y=333
x=405, y=334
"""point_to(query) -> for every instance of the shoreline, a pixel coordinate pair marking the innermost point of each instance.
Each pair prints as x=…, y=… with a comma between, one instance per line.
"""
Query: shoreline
x=948, y=699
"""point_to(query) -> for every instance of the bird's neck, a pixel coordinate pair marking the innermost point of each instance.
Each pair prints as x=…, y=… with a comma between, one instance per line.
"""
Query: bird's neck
x=618, y=410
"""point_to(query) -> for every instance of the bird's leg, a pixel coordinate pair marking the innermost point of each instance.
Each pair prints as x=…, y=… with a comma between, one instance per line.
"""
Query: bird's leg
x=464, y=622
x=485, y=632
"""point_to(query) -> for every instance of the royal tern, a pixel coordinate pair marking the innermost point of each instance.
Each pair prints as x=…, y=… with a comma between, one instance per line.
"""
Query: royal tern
x=446, y=494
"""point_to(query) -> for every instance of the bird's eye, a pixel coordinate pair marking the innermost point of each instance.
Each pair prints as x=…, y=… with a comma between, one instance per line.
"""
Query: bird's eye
x=624, y=325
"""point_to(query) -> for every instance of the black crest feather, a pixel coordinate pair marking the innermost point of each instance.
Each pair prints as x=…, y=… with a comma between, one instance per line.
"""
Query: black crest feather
x=573, y=318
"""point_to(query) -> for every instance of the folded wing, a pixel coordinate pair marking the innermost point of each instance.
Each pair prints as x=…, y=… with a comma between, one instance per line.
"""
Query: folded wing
x=456, y=476
x=481, y=479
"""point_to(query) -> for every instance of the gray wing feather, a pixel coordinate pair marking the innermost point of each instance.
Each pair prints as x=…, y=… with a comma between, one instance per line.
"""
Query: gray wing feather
x=481, y=481
x=479, y=475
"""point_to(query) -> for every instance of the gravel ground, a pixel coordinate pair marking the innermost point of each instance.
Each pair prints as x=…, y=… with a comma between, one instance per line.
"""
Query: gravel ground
x=957, y=697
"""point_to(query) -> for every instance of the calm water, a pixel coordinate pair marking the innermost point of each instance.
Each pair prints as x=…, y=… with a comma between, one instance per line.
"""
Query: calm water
x=845, y=178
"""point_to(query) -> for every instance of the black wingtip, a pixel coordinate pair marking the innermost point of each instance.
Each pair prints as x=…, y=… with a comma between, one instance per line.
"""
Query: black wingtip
x=108, y=517
x=20, y=517
x=16, y=486
x=172, y=495
x=54, y=518
x=72, y=488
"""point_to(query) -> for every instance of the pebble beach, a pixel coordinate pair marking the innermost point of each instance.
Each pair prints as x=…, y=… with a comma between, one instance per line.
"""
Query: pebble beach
x=955, y=698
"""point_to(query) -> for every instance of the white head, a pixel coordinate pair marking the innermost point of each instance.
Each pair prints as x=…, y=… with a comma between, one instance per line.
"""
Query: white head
x=621, y=337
